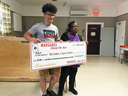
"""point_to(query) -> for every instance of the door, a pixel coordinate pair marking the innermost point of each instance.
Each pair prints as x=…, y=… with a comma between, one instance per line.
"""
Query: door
x=107, y=43
x=120, y=36
x=93, y=36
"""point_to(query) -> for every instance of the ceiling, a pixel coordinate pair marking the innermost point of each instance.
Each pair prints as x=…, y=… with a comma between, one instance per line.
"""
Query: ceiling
x=71, y=2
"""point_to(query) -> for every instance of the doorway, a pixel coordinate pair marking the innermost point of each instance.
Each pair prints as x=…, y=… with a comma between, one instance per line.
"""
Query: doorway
x=93, y=35
x=120, y=36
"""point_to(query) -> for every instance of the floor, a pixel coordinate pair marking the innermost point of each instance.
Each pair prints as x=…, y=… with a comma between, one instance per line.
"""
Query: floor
x=100, y=76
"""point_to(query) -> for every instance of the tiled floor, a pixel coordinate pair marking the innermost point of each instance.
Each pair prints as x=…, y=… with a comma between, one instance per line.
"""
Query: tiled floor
x=100, y=76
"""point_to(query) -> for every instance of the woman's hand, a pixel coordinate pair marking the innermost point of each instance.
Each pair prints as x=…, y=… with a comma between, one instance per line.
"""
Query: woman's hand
x=87, y=42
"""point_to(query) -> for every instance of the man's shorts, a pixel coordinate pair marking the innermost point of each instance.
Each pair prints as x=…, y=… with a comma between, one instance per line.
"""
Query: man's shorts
x=54, y=71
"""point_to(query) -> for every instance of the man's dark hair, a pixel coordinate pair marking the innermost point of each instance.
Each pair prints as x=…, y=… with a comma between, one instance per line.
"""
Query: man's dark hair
x=49, y=7
x=70, y=25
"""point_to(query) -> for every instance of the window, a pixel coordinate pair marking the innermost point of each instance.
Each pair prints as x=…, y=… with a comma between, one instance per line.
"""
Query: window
x=5, y=19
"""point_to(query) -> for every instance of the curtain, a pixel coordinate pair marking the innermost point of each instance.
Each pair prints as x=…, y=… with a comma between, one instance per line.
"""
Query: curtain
x=5, y=19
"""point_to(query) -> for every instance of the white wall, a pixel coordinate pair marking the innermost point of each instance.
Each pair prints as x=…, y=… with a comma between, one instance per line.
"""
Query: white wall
x=14, y=6
x=123, y=8
x=37, y=11
x=32, y=11
x=104, y=11
x=64, y=11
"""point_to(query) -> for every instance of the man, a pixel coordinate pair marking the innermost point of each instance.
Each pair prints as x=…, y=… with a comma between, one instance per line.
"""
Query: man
x=46, y=32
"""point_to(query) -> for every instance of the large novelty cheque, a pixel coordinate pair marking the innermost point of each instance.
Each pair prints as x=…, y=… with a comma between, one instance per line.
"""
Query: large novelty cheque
x=47, y=55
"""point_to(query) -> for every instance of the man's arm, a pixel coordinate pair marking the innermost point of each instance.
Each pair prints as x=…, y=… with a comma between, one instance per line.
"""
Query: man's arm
x=28, y=37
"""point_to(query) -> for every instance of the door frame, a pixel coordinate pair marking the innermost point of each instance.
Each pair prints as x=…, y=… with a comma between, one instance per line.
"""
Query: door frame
x=95, y=23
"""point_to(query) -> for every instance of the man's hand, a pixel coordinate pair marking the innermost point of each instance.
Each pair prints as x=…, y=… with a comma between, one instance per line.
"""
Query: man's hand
x=58, y=39
x=37, y=40
x=61, y=40
x=28, y=37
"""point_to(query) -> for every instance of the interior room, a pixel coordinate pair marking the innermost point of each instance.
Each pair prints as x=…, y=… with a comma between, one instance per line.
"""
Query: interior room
x=105, y=71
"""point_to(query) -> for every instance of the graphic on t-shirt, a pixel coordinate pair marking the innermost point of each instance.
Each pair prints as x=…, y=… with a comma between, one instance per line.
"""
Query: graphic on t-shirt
x=49, y=34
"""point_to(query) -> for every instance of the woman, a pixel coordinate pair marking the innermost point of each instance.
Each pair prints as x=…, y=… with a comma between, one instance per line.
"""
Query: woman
x=71, y=35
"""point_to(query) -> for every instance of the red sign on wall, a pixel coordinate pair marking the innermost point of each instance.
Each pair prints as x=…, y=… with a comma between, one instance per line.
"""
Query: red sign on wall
x=95, y=13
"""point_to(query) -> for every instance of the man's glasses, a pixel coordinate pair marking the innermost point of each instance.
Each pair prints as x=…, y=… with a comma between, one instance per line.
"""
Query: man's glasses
x=74, y=26
x=51, y=15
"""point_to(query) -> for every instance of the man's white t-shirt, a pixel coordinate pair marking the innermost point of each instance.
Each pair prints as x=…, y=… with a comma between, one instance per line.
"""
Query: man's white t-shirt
x=46, y=33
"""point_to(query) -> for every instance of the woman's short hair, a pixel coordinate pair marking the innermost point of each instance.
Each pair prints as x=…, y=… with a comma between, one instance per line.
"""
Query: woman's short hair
x=49, y=7
x=70, y=24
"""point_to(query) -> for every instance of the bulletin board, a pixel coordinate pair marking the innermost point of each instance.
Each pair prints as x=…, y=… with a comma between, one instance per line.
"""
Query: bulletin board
x=17, y=21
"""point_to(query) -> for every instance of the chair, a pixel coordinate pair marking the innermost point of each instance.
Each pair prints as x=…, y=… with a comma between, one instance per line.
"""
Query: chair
x=123, y=54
